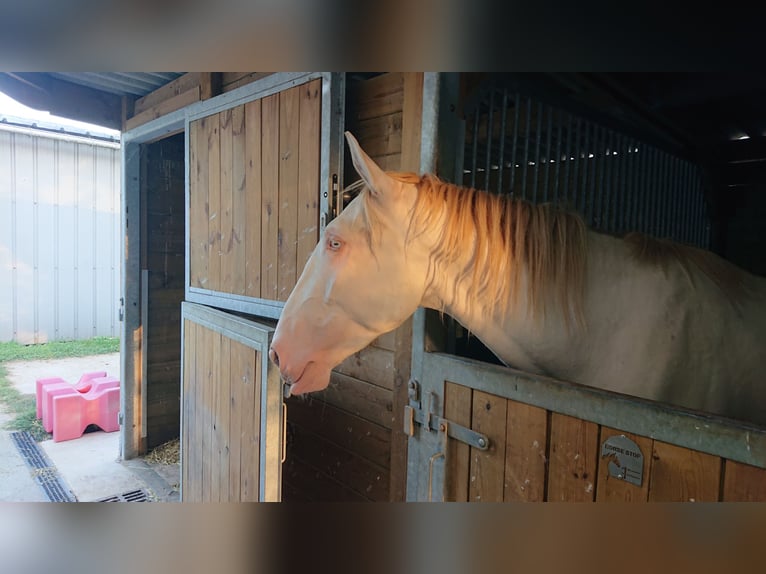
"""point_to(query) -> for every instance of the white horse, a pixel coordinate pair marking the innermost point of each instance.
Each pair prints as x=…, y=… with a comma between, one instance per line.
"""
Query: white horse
x=635, y=315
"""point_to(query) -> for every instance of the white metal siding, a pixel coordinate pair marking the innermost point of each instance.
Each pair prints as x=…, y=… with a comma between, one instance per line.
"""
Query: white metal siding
x=59, y=237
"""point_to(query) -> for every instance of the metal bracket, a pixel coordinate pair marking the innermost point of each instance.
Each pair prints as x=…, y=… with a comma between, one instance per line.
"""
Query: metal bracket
x=435, y=423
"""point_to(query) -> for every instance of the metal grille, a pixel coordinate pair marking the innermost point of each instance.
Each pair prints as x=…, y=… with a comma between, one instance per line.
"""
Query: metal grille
x=132, y=496
x=517, y=145
x=44, y=474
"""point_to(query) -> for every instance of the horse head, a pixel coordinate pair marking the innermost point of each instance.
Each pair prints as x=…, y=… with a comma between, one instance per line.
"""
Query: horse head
x=364, y=278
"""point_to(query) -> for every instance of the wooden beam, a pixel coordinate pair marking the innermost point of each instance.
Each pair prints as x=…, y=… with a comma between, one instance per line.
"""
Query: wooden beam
x=178, y=86
x=209, y=84
x=41, y=91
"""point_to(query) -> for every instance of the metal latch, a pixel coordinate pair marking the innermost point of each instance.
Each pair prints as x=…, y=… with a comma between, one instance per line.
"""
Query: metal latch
x=415, y=414
x=435, y=423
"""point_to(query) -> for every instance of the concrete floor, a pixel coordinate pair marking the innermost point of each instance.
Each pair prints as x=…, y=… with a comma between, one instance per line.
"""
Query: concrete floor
x=89, y=466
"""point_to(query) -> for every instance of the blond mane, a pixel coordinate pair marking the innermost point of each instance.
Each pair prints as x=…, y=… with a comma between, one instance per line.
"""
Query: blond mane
x=509, y=238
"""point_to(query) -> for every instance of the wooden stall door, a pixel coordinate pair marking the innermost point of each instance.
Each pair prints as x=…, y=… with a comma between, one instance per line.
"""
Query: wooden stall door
x=514, y=437
x=255, y=197
x=232, y=414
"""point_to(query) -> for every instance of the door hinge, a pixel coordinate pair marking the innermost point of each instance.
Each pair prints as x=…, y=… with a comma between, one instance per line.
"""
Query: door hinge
x=415, y=414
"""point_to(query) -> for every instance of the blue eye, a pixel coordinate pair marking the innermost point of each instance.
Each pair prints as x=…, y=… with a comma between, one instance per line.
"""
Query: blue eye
x=334, y=243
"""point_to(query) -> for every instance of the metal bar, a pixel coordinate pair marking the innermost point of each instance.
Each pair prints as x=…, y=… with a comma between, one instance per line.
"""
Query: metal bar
x=586, y=189
x=501, y=160
x=686, y=208
x=602, y=195
x=515, y=138
x=640, y=188
x=689, y=429
x=653, y=193
x=475, y=146
x=558, y=158
x=525, y=163
x=547, y=158
x=568, y=159
x=540, y=109
x=619, y=208
x=576, y=169
x=488, y=162
x=675, y=212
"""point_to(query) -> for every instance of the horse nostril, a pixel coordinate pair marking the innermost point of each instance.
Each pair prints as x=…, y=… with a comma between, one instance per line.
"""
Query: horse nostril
x=274, y=357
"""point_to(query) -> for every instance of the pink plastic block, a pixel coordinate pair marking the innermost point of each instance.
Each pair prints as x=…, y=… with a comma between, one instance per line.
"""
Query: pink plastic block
x=82, y=386
x=72, y=413
x=52, y=390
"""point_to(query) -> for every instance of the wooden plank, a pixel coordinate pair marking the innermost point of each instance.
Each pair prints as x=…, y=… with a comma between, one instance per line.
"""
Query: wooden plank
x=386, y=341
x=163, y=108
x=381, y=136
x=308, y=171
x=209, y=84
x=237, y=417
x=239, y=201
x=391, y=162
x=214, y=370
x=176, y=87
x=371, y=364
x=253, y=198
x=354, y=472
x=572, y=459
x=188, y=422
x=269, y=185
x=353, y=433
x=457, y=409
x=314, y=485
x=360, y=398
x=743, y=483
x=214, y=202
x=226, y=212
x=223, y=422
x=233, y=80
x=205, y=351
x=682, y=475
x=412, y=120
x=378, y=96
x=526, y=454
x=198, y=226
x=244, y=359
x=610, y=489
x=289, y=160
x=489, y=414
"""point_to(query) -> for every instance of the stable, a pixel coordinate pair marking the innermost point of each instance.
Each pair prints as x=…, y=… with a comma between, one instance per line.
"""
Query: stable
x=228, y=182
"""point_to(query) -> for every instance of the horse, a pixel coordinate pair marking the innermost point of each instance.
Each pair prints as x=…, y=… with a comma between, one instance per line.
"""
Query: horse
x=635, y=315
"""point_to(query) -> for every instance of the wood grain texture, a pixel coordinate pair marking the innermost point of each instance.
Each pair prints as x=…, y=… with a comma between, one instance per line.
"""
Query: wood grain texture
x=526, y=453
x=743, y=483
x=269, y=196
x=309, y=186
x=214, y=202
x=226, y=212
x=289, y=149
x=682, y=475
x=489, y=414
x=457, y=409
x=239, y=222
x=253, y=201
x=572, y=464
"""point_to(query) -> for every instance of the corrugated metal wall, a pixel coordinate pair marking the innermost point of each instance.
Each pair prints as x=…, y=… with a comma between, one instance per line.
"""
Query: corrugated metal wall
x=59, y=237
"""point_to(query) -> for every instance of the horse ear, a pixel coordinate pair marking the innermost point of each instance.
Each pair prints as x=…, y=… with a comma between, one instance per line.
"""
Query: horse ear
x=375, y=178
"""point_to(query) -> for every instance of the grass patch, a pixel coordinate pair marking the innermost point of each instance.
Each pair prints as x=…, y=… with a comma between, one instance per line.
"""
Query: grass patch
x=58, y=349
x=23, y=406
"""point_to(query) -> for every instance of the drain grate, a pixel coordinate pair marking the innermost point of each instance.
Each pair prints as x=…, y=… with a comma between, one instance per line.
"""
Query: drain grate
x=45, y=475
x=132, y=496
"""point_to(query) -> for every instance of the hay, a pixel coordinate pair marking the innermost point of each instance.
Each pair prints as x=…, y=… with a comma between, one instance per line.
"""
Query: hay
x=167, y=453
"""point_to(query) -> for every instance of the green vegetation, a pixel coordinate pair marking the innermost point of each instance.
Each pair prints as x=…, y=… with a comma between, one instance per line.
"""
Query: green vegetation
x=23, y=406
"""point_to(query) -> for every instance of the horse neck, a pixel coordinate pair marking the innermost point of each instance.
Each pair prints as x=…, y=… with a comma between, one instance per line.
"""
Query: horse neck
x=508, y=330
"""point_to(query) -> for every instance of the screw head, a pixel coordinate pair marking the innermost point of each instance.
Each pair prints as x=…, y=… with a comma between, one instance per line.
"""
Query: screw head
x=482, y=442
